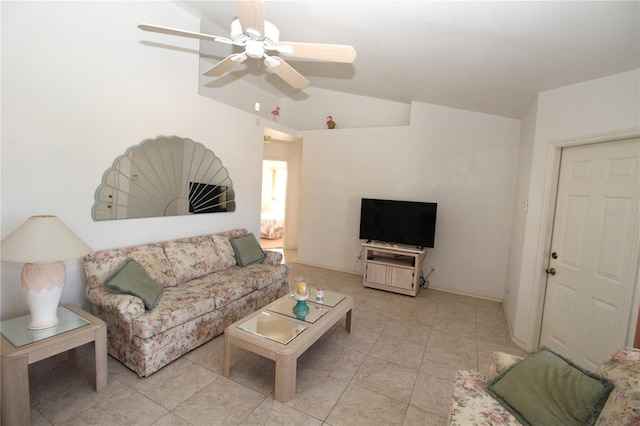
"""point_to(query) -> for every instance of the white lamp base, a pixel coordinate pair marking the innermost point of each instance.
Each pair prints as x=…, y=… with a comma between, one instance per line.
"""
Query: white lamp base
x=42, y=284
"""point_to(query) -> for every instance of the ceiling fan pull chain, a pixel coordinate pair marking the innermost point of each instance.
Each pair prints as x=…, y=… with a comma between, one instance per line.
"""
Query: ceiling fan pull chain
x=257, y=105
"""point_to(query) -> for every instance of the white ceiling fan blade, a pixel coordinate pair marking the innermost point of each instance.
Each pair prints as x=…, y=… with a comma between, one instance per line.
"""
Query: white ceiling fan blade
x=251, y=16
x=286, y=72
x=171, y=31
x=322, y=52
x=225, y=65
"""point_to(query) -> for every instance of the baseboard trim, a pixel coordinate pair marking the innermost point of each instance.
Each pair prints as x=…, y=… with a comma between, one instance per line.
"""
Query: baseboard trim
x=315, y=265
x=461, y=293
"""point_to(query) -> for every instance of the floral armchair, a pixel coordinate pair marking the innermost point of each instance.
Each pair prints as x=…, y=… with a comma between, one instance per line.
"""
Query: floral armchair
x=473, y=405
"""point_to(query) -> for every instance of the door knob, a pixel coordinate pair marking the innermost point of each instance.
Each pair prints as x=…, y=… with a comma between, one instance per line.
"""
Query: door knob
x=551, y=271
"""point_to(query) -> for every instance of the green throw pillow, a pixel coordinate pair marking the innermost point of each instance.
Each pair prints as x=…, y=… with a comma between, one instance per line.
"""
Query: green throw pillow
x=548, y=389
x=131, y=278
x=247, y=249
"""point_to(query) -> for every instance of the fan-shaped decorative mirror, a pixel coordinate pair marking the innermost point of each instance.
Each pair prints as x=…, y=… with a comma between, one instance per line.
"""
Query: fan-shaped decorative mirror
x=165, y=176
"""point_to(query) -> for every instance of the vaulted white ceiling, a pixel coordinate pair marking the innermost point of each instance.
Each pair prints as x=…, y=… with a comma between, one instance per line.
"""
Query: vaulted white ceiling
x=491, y=57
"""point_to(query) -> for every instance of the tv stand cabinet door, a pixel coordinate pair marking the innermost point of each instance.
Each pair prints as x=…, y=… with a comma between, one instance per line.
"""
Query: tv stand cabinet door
x=402, y=278
x=376, y=274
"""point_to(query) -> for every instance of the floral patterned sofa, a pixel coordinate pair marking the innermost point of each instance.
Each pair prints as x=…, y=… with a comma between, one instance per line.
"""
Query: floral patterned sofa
x=473, y=405
x=203, y=291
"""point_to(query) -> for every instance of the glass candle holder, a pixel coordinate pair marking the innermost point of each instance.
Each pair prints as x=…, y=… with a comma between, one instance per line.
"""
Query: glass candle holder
x=301, y=289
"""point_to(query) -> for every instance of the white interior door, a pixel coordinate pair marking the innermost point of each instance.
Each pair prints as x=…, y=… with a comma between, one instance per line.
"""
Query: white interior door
x=593, y=252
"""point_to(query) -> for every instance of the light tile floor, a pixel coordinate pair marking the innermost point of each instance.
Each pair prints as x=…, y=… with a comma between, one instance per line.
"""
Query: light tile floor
x=396, y=368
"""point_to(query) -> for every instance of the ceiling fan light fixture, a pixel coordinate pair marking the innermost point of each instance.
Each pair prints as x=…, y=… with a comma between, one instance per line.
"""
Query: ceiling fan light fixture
x=254, y=34
x=271, y=61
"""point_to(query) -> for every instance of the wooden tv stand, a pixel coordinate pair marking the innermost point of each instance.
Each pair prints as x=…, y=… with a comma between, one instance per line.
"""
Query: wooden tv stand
x=393, y=268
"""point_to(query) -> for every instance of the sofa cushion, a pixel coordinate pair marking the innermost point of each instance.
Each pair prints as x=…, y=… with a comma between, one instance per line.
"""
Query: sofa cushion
x=261, y=275
x=247, y=249
x=233, y=233
x=131, y=278
x=191, y=300
x=231, y=290
x=225, y=251
x=192, y=257
x=546, y=388
x=151, y=257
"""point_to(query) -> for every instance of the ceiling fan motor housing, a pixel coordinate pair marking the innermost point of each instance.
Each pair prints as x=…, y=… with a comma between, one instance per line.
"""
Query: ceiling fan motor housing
x=271, y=34
x=254, y=49
x=237, y=34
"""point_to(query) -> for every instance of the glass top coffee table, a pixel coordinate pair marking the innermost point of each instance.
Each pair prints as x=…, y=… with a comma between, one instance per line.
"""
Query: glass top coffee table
x=275, y=332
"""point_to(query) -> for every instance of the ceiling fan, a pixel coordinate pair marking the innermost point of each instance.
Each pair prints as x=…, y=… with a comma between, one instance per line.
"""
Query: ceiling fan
x=258, y=37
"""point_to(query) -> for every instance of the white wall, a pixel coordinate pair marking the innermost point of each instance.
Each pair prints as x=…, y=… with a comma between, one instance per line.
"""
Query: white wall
x=309, y=111
x=238, y=94
x=593, y=110
x=521, y=206
x=79, y=86
x=464, y=161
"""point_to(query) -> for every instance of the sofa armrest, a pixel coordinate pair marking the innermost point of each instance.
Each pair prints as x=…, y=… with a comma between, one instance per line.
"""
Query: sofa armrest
x=500, y=361
x=122, y=305
x=471, y=404
x=623, y=404
x=273, y=257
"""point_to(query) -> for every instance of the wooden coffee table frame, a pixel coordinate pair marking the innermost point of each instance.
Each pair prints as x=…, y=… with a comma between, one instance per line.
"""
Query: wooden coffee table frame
x=285, y=356
x=16, y=405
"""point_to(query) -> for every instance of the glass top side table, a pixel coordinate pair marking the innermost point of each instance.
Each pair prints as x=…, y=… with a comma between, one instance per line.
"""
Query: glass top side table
x=18, y=334
x=79, y=328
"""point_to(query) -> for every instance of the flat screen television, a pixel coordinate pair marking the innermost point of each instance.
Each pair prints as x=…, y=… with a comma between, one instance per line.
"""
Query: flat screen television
x=410, y=223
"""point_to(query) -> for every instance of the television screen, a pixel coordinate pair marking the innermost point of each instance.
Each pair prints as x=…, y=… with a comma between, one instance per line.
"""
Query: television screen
x=400, y=222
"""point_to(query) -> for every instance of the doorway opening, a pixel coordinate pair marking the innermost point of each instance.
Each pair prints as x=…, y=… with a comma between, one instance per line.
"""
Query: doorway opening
x=274, y=200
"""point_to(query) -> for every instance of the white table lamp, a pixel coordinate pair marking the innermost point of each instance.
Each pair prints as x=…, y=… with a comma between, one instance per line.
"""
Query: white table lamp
x=42, y=243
